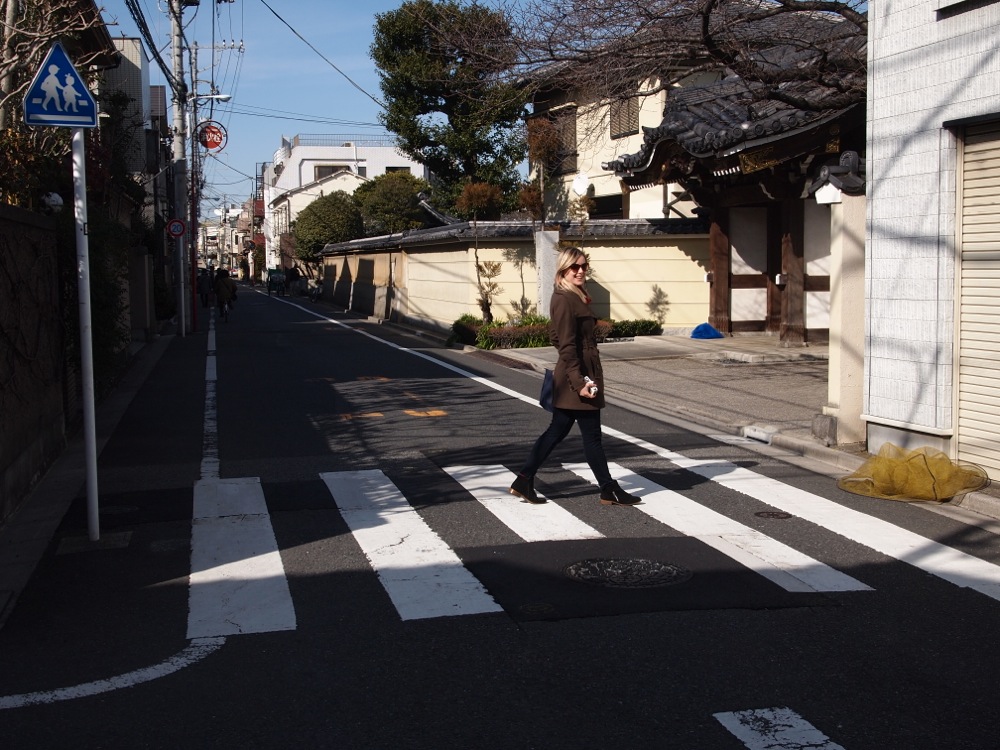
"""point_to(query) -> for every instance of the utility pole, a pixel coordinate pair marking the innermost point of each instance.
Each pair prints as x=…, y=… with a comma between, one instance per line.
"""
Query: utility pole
x=180, y=179
x=195, y=169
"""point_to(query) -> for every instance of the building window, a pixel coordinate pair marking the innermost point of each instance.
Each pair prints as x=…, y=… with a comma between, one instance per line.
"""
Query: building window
x=328, y=170
x=397, y=169
x=624, y=116
x=565, y=123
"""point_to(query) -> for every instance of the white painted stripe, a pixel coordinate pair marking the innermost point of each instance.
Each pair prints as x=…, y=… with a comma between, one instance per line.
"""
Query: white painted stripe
x=785, y=566
x=210, y=431
x=547, y=522
x=237, y=582
x=891, y=540
x=210, y=435
x=195, y=652
x=775, y=729
x=423, y=577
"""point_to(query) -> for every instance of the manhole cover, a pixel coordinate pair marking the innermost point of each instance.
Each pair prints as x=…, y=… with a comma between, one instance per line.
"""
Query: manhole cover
x=627, y=573
x=773, y=514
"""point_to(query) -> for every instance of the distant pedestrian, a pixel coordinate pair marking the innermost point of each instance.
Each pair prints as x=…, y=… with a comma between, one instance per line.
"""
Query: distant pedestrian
x=578, y=384
x=204, y=287
x=225, y=290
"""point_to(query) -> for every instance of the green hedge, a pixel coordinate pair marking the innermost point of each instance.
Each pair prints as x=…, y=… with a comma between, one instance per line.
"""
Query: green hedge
x=533, y=331
x=623, y=329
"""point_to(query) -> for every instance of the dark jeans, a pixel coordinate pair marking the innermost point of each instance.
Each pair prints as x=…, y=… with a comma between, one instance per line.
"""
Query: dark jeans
x=562, y=423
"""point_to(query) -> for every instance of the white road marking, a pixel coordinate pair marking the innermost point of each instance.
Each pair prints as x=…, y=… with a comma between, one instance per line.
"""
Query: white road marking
x=421, y=574
x=195, y=652
x=775, y=729
x=237, y=582
x=777, y=562
x=533, y=523
x=891, y=540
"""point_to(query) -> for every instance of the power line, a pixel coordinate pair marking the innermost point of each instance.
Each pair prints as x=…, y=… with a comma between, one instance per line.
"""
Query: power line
x=355, y=85
x=240, y=109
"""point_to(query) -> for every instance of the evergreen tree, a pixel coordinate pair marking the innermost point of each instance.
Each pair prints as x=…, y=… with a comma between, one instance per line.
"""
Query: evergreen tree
x=450, y=114
x=332, y=218
x=391, y=203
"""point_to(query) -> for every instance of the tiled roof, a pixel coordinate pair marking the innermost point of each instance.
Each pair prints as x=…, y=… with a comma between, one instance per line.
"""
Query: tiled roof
x=723, y=118
x=502, y=230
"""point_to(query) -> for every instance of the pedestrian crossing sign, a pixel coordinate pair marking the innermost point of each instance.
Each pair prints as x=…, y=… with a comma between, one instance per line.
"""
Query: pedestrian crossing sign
x=58, y=96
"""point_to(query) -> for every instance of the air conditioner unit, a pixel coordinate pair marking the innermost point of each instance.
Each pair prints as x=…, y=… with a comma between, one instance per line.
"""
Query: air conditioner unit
x=347, y=144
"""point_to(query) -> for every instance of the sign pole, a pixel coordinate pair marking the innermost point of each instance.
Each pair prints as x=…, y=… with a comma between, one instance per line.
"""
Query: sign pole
x=58, y=97
x=86, y=338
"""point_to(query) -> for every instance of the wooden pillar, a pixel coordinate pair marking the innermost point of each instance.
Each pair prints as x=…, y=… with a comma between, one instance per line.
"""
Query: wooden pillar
x=720, y=254
x=793, y=299
x=774, y=312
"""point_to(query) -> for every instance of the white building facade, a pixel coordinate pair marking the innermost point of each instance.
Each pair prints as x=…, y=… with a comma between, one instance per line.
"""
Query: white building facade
x=309, y=166
x=932, y=345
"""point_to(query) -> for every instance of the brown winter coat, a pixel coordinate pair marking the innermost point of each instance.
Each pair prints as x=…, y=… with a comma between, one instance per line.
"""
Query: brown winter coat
x=225, y=288
x=572, y=333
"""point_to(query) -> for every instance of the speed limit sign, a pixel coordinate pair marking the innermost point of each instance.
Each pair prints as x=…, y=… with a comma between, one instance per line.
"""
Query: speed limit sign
x=175, y=227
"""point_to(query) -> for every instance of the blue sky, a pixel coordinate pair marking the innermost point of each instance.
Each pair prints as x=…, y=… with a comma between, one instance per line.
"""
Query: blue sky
x=279, y=85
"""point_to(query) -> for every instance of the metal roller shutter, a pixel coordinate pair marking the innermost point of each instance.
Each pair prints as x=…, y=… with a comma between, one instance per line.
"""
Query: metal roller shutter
x=978, y=377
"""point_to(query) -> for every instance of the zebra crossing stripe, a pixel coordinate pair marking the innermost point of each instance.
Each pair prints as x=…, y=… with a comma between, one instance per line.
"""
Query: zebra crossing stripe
x=779, y=563
x=888, y=539
x=237, y=582
x=547, y=522
x=421, y=574
x=775, y=729
x=927, y=555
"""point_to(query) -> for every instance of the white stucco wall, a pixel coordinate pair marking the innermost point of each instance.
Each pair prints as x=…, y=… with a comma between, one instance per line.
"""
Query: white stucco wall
x=924, y=68
x=816, y=257
x=437, y=284
x=748, y=241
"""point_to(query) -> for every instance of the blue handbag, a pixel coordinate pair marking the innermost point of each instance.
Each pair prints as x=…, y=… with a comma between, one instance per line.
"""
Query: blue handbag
x=545, y=398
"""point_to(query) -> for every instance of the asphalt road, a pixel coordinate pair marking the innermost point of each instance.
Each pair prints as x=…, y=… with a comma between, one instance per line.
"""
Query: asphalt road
x=306, y=542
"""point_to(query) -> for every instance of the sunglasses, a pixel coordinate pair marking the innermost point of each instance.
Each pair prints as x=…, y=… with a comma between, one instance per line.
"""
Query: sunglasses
x=577, y=267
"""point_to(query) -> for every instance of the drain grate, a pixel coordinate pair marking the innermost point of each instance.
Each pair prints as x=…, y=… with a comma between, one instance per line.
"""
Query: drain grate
x=629, y=573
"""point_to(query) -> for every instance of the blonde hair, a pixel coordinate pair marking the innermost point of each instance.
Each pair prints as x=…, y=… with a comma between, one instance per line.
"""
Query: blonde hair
x=568, y=257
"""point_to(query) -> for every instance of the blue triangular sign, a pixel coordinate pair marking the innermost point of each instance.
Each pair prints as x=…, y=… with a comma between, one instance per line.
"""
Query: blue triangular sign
x=58, y=96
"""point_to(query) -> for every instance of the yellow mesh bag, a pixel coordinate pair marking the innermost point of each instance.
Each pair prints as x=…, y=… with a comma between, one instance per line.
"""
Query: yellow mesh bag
x=913, y=475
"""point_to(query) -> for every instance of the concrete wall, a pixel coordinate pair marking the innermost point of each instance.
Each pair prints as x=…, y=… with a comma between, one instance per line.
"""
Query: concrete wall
x=434, y=285
x=926, y=66
x=32, y=427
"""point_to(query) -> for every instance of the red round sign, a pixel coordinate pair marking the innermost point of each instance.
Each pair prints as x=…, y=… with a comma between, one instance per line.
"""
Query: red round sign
x=175, y=227
x=212, y=135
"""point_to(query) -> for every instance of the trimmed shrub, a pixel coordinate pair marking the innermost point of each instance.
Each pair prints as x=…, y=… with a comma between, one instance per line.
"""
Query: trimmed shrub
x=621, y=329
x=504, y=336
x=465, y=330
x=533, y=331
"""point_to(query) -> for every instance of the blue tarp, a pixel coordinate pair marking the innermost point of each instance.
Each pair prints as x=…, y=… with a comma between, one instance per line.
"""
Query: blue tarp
x=705, y=331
